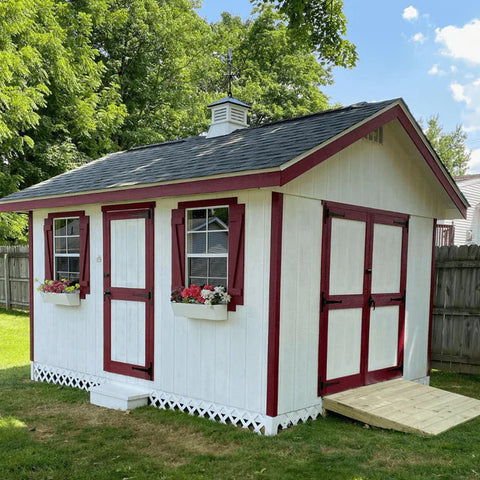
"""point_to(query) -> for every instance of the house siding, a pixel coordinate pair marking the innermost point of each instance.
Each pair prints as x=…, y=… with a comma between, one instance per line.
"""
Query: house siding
x=462, y=226
x=220, y=362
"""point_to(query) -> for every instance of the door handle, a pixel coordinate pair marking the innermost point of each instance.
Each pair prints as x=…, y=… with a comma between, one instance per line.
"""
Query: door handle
x=371, y=302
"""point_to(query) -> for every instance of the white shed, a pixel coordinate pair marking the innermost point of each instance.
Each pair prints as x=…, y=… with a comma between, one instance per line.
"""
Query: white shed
x=321, y=227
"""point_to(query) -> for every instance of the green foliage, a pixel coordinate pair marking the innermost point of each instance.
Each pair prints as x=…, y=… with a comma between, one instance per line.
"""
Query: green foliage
x=450, y=146
x=51, y=431
x=320, y=24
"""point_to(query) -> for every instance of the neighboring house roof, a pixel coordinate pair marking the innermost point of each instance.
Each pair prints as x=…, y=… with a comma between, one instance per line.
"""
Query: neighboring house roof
x=268, y=155
x=471, y=178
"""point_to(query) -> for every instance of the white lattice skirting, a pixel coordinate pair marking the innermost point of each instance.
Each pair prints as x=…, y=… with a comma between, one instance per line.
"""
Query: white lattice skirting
x=62, y=376
x=257, y=422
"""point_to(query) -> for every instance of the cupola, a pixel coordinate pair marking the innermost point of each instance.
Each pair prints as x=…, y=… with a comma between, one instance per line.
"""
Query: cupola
x=228, y=115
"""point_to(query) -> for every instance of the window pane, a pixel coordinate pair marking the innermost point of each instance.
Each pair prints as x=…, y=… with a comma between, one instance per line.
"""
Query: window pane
x=73, y=244
x=197, y=243
x=199, y=281
x=73, y=269
x=218, y=267
x=218, y=242
x=73, y=226
x=60, y=245
x=218, y=218
x=196, y=220
x=61, y=268
x=60, y=227
x=197, y=267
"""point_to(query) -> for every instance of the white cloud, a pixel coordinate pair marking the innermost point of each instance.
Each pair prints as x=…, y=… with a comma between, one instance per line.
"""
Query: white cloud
x=436, y=71
x=453, y=68
x=410, y=13
x=468, y=93
x=419, y=37
x=474, y=163
x=461, y=43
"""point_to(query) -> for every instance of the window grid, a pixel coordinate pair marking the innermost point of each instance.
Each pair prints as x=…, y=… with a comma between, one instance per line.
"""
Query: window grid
x=193, y=233
x=66, y=263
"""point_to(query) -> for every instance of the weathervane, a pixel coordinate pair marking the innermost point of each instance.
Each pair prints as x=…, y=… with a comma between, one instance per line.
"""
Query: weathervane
x=232, y=72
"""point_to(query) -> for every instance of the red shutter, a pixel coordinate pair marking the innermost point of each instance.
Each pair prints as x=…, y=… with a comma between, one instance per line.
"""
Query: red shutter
x=178, y=248
x=236, y=254
x=84, y=255
x=48, y=235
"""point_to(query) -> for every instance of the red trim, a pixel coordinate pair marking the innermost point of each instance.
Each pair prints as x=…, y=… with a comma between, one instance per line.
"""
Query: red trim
x=255, y=180
x=31, y=282
x=432, y=293
x=236, y=245
x=129, y=294
x=370, y=217
x=274, y=303
x=84, y=247
x=128, y=206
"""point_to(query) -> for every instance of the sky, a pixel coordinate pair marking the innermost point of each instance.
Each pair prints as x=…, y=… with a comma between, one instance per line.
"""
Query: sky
x=425, y=51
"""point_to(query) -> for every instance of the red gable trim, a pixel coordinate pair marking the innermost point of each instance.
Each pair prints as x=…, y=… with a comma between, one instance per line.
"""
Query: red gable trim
x=254, y=180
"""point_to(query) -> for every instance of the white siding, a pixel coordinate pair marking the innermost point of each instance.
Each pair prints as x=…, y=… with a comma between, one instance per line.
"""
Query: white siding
x=419, y=272
x=221, y=362
x=300, y=303
x=471, y=191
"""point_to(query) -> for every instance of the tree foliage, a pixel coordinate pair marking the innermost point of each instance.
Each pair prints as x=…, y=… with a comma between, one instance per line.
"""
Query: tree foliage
x=450, y=146
x=79, y=79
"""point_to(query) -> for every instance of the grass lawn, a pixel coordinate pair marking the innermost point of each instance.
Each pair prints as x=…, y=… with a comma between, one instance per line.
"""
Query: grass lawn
x=52, y=432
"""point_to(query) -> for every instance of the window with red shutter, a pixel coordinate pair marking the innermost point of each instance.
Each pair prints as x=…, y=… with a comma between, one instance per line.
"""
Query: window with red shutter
x=208, y=245
x=67, y=252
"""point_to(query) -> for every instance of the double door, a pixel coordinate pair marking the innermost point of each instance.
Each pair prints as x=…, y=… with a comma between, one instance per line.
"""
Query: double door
x=364, y=258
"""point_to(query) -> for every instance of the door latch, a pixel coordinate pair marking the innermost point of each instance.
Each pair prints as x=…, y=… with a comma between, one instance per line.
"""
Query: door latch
x=371, y=302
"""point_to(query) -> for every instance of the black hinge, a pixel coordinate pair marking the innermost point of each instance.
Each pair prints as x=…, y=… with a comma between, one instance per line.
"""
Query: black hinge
x=143, y=295
x=147, y=370
x=329, y=213
x=399, y=299
x=324, y=385
x=328, y=302
x=403, y=224
x=393, y=369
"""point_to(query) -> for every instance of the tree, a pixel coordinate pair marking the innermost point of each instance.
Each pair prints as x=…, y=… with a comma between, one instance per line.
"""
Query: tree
x=320, y=24
x=450, y=146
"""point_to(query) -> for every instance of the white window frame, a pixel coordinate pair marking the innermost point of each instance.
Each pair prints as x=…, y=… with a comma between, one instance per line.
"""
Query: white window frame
x=204, y=255
x=64, y=255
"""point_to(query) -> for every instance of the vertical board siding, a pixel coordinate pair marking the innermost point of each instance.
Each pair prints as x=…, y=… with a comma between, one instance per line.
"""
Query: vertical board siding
x=417, y=303
x=300, y=303
x=472, y=194
x=456, y=314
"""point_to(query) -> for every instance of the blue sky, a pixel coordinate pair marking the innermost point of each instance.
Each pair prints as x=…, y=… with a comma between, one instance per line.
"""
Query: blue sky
x=426, y=51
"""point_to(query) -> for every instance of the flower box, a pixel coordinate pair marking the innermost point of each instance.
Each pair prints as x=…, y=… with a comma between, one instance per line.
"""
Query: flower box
x=71, y=299
x=198, y=311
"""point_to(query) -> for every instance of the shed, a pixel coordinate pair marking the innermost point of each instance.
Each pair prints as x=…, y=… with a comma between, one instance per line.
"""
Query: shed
x=321, y=227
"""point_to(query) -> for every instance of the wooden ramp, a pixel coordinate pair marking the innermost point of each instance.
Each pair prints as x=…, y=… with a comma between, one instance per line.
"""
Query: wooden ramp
x=404, y=406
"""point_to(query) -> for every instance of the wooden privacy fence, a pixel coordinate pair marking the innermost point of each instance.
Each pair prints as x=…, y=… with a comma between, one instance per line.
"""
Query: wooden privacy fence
x=456, y=309
x=14, y=274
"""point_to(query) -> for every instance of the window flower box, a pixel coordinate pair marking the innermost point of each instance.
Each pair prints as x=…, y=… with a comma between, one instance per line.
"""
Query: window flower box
x=200, y=311
x=71, y=299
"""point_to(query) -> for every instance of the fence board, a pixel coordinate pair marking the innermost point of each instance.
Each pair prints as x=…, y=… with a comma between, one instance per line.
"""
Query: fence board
x=14, y=277
x=456, y=309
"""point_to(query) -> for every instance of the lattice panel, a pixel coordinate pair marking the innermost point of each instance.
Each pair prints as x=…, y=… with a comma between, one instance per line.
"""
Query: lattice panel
x=61, y=376
x=299, y=416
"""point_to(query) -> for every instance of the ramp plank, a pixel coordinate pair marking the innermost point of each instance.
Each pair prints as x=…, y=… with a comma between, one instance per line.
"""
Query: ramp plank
x=404, y=406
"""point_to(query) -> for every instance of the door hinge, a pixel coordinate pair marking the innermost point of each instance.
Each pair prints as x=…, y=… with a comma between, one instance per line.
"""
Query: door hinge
x=399, y=299
x=403, y=224
x=147, y=369
x=324, y=385
x=328, y=213
x=143, y=295
x=326, y=302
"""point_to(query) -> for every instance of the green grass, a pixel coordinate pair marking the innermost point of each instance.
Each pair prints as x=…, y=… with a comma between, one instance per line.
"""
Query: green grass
x=52, y=432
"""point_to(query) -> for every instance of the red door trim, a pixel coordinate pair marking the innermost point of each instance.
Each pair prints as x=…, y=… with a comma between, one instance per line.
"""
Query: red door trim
x=432, y=293
x=370, y=217
x=120, y=293
x=274, y=303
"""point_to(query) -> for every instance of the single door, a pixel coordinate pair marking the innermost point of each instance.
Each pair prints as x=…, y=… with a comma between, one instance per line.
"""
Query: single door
x=362, y=297
x=128, y=290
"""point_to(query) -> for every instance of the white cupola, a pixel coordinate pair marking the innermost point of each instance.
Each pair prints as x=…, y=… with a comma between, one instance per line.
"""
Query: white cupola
x=228, y=115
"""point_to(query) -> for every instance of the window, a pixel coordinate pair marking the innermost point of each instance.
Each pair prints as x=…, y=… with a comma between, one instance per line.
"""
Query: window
x=67, y=248
x=208, y=245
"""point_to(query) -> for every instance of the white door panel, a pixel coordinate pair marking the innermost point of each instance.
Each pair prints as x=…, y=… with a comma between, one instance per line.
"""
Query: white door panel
x=383, y=338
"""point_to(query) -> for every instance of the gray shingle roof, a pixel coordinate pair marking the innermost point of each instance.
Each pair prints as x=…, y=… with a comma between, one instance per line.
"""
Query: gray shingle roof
x=255, y=148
